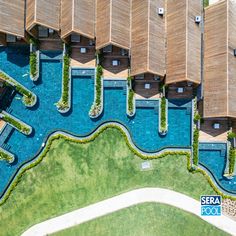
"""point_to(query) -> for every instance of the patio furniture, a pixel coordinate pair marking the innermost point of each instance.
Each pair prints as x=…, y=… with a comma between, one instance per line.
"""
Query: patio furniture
x=123, y=52
x=115, y=62
x=108, y=48
x=42, y=32
x=147, y=86
x=10, y=38
x=216, y=126
x=141, y=76
x=83, y=50
x=180, y=90
x=75, y=38
x=51, y=31
x=91, y=42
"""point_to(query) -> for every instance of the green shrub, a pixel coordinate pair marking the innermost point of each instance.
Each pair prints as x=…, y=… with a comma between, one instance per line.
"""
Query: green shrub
x=197, y=117
x=232, y=157
x=163, y=115
x=28, y=97
x=24, y=129
x=99, y=85
x=33, y=64
x=5, y=156
x=231, y=135
x=131, y=101
x=195, y=146
x=34, y=42
x=64, y=101
x=205, y=3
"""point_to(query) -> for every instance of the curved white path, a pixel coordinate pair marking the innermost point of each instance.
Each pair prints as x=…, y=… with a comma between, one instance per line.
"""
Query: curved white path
x=125, y=200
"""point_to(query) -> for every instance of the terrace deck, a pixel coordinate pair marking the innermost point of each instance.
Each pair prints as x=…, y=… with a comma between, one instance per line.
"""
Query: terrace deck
x=50, y=44
x=209, y=134
x=173, y=94
x=139, y=87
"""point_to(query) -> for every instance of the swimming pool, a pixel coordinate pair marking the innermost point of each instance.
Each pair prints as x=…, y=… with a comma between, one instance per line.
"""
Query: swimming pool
x=45, y=118
x=213, y=156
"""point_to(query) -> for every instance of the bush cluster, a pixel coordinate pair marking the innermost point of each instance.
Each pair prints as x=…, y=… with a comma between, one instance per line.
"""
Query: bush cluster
x=195, y=146
x=64, y=101
x=33, y=64
x=231, y=135
x=99, y=84
x=131, y=101
x=92, y=138
x=5, y=156
x=28, y=97
x=21, y=127
x=232, y=159
x=163, y=115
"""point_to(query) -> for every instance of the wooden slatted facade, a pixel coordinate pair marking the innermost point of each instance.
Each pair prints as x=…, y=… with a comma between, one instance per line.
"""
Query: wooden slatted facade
x=12, y=17
x=147, y=38
x=183, y=41
x=113, y=23
x=78, y=16
x=44, y=13
x=219, y=60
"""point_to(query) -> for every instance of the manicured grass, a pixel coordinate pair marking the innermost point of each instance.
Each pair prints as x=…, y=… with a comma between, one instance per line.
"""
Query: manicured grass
x=75, y=175
x=145, y=220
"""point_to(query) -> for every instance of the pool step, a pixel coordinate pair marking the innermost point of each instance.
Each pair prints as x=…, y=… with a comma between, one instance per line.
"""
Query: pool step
x=51, y=56
x=5, y=133
x=78, y=72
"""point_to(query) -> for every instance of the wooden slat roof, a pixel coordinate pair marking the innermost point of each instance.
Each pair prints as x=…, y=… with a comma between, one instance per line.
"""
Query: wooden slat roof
x=43, y=12
x=147, y=38
x=78, y=16
x=113, y=23
x=183, y=41
x=12, y=17
x=219, y=60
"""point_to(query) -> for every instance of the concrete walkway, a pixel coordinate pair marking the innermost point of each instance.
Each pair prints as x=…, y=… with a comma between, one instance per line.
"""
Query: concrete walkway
x=126, y=200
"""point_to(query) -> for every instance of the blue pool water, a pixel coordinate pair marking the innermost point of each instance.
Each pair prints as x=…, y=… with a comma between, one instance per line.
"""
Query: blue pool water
x=45, y=118
x=213, y=157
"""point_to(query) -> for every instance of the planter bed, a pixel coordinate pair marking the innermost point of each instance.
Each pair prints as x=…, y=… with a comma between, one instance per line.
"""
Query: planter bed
x=29, y=99
x=16, y=123
x=163, y=116
x=34, y=65
x=64, y=104
x=97, y=107
x=7, y=156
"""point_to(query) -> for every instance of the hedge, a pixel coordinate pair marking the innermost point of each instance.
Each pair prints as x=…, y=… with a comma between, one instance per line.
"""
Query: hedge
x=64, y=101
x=5, y=156
x=232, y=157
x=33, y=64
x=163, y=115
x=195, y=146
x=28, y=97
x=92, y=138
x=98, y=84
x=131, y=101
x=21, y=127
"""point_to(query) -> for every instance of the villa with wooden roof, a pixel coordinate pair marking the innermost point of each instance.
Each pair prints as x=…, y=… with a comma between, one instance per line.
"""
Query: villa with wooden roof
x=219, y=60
x=77, y=18
x=42, y=17
x=148, y=38
x=12, y=18
x=183, y=59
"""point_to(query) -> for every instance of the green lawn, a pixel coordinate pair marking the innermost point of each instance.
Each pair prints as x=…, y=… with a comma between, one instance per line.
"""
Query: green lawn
x=75, y=175
x=145, y=220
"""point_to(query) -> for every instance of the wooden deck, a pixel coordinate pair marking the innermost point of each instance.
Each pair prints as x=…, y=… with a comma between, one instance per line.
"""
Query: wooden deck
x=110, y=71
x=51, y=44
x=83, y=60
x=209, y=134
x=2, y=124
x=172, y=92
x=139, y=87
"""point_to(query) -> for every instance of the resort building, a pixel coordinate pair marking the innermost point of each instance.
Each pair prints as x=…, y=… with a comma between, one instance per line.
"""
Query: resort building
x=148, y=49
x=183, y=59
x=43, y=21
x=12, y=27
x=78, y=28
x=220, y=60
x=113, y=36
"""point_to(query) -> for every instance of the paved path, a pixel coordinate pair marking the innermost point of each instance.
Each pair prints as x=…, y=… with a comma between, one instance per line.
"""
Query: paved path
x=126, y=200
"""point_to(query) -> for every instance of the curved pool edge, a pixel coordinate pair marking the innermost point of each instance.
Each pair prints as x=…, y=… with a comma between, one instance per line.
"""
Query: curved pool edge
x=38, y=157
